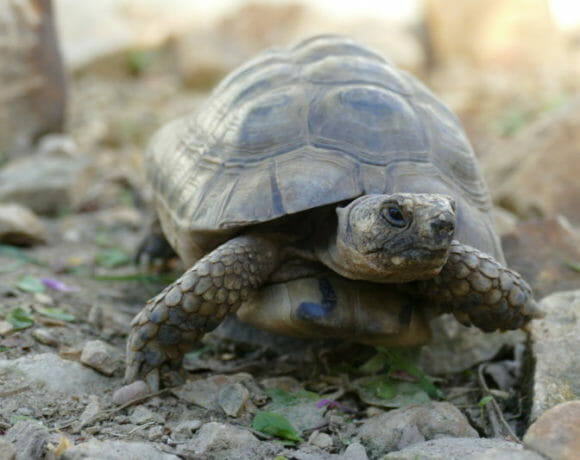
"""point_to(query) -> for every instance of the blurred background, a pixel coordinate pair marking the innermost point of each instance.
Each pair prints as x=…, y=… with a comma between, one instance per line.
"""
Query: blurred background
x=106, y=74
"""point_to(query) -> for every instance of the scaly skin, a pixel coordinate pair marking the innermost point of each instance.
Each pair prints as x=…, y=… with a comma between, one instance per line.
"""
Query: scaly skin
x=479, y=290
x=472, y=285
x=172, y=322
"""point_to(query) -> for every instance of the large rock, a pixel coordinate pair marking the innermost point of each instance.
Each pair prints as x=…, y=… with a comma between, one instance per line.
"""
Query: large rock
x=555, y=345
x=215, y=36
x=461, y=449
x=42, y=184
x=556, y=434
x=115, y=450
x=30, y=440
x=206, y=54
x=400, y=428
x=220, y=440
x=36, y=382
x=230, y=393
x=539, y=176
x=19, y=226
x=455, y=347
x=52, y=374
x=495, y=29
x=542, y=251
x=32, y=87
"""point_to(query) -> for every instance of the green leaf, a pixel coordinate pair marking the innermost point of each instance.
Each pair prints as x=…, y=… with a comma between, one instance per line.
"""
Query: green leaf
x=399, y=362
x=193, y=355
x=3, y=348
x=574, y=266
x=138, y=61
x=112, y=258
x=281, y=398
x=374, y=365
x=20, y=318
x=17, y=253
x=127, y=198
x=31, y=284
x=513, y=122
x=382, y=391
x=56, y=313
x=275, y=425
x=485, y=401
x=386, y=390
x=103, y=240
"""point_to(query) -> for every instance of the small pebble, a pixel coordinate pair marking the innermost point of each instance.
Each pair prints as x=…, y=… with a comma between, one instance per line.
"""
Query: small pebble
x=184, y=430
x=155, y=433
x=19, y=226
x=45, y=337
x=374, y=411
x=141, y=415
x=98, y=355
x=232, y=398
x=91, y=410
x=69, y=353
x=5, y=327
x=355, y=451
x=44, y=299
x=126, y=393
x=7, y=449
x=321, y=440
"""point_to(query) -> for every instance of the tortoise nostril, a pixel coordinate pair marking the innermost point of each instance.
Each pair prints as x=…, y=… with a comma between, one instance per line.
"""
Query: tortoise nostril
x=453, y=206
x=443, y=226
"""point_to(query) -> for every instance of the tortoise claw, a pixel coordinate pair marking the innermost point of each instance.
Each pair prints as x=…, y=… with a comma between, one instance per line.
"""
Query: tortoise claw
x=152, y=379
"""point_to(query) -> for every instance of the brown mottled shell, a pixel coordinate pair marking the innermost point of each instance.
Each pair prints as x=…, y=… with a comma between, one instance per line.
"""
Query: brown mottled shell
x=298, y=128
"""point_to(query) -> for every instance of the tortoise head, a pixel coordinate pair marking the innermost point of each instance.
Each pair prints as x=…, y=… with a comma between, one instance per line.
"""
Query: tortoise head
x=392, y=238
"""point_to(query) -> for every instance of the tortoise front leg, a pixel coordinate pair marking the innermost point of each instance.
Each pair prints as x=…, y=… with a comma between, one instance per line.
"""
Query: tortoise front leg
x=172, y=322
x=479, y=290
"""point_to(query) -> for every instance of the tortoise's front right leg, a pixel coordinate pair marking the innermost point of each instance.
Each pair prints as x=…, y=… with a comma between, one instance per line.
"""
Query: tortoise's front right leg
x=479, y=290
x=172, y=322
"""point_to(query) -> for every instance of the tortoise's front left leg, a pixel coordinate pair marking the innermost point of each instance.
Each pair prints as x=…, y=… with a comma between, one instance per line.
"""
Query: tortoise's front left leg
x=172, y=322
x=479, y=290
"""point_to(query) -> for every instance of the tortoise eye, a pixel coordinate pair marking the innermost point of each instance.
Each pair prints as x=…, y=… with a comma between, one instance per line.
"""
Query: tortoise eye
x=394, y=216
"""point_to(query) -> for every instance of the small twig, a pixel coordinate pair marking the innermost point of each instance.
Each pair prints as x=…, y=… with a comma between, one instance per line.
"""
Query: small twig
x=141, y=427
x=313, y=429
x=136, y=401
x=15, y=391
x=495, y=411
x=462, y=393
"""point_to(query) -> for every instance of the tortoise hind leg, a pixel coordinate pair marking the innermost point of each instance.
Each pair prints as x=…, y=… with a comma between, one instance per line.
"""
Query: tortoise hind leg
x=479, y=290
x=154, y=247
x=172, y=322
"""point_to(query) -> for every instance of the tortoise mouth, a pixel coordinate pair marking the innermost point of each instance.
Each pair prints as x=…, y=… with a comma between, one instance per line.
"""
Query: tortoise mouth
x=416, y=253
x=425, y=253
x=411, y=264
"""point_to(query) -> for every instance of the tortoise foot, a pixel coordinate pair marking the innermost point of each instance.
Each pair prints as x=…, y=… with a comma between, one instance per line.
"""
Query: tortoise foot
x=479, y=290
x=154, y=250
x=174, y=321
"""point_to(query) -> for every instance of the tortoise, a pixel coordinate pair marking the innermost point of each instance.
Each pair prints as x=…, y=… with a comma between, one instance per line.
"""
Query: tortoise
x=321, y=162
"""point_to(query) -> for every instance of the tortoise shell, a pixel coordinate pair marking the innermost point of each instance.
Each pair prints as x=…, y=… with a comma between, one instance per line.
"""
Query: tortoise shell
x=297, y=128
